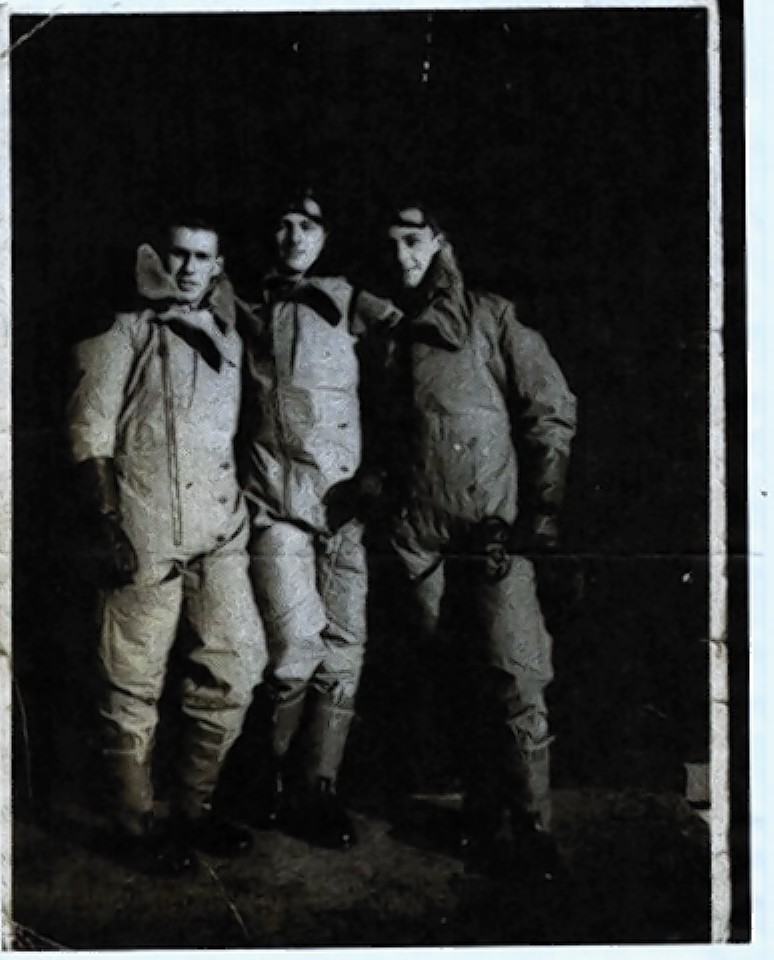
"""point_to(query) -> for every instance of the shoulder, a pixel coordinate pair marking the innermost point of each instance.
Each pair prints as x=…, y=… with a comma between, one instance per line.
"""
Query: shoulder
x=494, y=312
x=336, y=287
x=134, y=324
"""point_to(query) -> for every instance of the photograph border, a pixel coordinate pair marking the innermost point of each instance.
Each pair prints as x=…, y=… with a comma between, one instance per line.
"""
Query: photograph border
x=720, y=709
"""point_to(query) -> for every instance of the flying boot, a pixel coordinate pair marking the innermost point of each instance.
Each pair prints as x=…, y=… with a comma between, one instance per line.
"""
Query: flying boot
x=325, y=820
x=275, y=802
x=194, y=822
x=533, y=847
x=139, y=838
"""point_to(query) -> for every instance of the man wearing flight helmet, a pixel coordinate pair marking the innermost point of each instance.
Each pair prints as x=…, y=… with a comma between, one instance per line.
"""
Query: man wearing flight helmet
x=152, y=420
x=480, y=387
x=304, y=479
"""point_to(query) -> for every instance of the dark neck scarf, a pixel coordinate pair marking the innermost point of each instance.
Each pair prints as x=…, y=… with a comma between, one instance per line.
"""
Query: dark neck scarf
x=281, y=289
x=216, y=310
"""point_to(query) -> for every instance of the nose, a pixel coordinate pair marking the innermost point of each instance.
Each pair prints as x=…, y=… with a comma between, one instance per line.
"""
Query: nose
x=405, y=256
x=189, y=264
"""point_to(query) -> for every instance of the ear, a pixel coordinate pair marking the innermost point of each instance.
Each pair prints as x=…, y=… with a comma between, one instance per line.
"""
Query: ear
x=219, y=265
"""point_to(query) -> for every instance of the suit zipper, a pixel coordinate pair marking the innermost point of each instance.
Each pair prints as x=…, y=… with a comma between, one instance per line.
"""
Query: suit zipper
x=172, y=461
x=282, y=356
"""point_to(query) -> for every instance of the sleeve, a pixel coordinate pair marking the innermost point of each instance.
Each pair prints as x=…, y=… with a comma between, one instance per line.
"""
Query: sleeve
x=101, y=369
x=543, y=404
x=373, y=314
x=443, y=322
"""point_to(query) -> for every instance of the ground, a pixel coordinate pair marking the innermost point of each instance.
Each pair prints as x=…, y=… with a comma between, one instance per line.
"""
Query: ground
x=636, y=872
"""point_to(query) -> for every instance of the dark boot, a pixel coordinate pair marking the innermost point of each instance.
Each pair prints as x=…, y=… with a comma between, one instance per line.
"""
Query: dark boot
x=483, y=823
x=138, y=838
x=537, y=768
x=213, y=835
x=534, y=847
x=193, y=822
x=276, y=798
x=324, y=819
x=154, y=849
x=128, y=779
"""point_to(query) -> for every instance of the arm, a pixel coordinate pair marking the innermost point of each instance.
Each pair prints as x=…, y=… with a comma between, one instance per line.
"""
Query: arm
x=102, y=367
x=544, y=413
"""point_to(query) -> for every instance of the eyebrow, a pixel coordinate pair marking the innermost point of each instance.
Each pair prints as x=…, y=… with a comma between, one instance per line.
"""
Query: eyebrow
x=199, y=254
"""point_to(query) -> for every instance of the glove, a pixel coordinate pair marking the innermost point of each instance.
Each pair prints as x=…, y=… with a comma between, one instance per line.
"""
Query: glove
x=109, y=558
x=352, y=498
x=550, y=474
x=490, y=540
x=544, y=535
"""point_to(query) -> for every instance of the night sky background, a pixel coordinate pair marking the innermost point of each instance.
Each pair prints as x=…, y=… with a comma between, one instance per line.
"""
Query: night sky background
x=567, y=153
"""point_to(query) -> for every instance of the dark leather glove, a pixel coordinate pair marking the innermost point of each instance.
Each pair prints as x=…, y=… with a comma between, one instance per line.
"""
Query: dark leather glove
x=352, y=498
x=545, y=534
x=109, y=559
x=545, y=503
x=491, y=539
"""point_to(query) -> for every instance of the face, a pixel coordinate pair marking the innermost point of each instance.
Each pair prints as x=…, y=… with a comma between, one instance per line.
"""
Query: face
x=414, y=246
x=193, y=261
x=300, y=241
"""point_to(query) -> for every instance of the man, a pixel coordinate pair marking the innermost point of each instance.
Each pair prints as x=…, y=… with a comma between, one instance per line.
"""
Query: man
x=152, y=420
x=307, y=485
x=487, y=402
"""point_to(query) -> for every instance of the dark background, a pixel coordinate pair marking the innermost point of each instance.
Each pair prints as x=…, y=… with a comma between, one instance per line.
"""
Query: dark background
x=567, y=151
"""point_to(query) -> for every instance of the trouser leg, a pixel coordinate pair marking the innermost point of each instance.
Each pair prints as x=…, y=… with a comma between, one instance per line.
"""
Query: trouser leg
x=288, y=702
x=226, y=662
x=138, y=630
x=518, y=669
x=415, y=727
x=342, y=586
x=342, y=582
x=283, y=568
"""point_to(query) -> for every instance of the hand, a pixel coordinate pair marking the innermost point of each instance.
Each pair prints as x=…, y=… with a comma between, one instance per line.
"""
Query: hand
x=352, y=498
x=110, y=560
x=492, y=540
x=545, y=534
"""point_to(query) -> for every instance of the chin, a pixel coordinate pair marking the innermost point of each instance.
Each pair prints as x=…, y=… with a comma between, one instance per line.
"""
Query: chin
x=190, y=296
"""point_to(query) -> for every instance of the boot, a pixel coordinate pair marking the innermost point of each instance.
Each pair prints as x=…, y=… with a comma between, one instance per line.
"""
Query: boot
x=193, y=822
x=275, y=801
x=154, y=849
x=325, y=821
x=128, y=778
x=534, y=849
x=537, y=766
x=212, y=835
x=483, y=820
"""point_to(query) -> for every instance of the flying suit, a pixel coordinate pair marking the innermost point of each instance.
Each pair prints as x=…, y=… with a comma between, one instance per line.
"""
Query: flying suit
x=159, y=394
x=478, y=392
x=302, y=444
